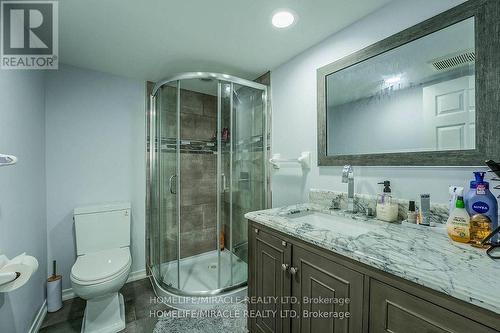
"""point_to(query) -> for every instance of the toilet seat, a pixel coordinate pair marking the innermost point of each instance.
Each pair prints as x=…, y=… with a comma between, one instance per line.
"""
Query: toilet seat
x=102, y=266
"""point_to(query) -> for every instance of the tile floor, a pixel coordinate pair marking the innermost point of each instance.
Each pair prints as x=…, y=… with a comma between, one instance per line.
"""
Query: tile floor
x=138, y=305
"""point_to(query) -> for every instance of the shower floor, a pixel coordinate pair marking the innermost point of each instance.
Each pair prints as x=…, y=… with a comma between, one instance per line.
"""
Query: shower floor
x=199, y=273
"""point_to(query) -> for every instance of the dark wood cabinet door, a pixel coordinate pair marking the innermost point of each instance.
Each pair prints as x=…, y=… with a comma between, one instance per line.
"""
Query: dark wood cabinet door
x=395, y=311
x=269, y=283
x=324, y=283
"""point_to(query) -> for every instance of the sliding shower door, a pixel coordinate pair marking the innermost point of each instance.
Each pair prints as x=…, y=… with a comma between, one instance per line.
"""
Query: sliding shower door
x=244, y=173
x=207, y=169
x=169, y=188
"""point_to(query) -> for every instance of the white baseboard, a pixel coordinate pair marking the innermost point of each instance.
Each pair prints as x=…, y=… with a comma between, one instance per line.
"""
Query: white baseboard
x=40, y=316
x=137, y=275
x=68, y=294
x=133, y=276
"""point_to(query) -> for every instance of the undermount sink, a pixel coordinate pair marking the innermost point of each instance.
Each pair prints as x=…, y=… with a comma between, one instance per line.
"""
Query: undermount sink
x=319, y=220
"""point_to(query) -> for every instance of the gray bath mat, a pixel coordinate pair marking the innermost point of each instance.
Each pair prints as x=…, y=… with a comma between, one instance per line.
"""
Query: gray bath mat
x=225, y=318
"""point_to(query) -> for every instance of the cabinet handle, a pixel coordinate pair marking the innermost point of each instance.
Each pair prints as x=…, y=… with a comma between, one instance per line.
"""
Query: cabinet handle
x=283, y=243
x=284, y=267
x=293, y=270
x=256, y=230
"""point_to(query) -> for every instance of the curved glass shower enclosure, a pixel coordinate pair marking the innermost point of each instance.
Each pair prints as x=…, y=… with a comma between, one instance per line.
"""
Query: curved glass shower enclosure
x=207, y=153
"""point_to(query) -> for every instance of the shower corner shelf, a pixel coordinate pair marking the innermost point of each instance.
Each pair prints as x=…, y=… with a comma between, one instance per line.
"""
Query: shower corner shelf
x=304, y=160
x=7, y=160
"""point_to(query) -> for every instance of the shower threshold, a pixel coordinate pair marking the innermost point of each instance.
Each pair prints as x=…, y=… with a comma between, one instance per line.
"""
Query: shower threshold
x=198, y=281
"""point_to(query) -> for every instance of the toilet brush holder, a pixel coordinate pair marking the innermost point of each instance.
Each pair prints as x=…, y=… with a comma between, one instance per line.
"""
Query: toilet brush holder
x=54, y=291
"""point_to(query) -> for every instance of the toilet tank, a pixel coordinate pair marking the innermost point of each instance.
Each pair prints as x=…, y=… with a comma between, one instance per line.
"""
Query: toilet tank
x=102, y=227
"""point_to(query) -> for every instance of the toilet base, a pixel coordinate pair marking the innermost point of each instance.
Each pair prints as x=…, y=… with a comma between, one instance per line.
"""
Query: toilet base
x=104, y=314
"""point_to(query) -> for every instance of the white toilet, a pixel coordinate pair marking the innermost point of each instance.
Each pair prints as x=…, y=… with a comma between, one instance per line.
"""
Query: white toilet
x=103, y=264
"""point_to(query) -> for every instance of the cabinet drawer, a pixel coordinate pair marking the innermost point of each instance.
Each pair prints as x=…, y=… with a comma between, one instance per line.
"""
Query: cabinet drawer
x=395, y=311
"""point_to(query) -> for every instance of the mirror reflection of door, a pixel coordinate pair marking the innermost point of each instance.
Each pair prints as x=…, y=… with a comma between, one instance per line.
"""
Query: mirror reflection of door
x=450, y=114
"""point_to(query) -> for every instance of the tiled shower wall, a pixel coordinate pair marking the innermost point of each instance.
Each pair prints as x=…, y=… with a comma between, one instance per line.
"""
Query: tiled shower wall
x=198, y=191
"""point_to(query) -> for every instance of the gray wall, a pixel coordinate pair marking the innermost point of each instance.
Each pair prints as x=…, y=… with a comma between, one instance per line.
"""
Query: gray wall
x=22, y=196
x=294, y=113
x=95, y=126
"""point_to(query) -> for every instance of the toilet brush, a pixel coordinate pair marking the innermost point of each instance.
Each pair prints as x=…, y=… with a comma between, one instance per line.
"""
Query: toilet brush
x=54, y=290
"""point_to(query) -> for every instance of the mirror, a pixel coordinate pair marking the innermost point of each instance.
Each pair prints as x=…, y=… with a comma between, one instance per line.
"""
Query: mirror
x=417, y=97
x=411, y=98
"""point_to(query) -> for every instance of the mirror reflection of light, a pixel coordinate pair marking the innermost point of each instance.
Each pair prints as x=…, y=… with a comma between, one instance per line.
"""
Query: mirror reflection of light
x=392, y=80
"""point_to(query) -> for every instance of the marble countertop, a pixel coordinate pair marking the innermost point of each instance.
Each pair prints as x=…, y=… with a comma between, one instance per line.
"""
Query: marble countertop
x=424, y=255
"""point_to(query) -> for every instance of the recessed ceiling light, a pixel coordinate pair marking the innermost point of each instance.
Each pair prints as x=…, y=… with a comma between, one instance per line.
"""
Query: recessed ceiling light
x=283, y=19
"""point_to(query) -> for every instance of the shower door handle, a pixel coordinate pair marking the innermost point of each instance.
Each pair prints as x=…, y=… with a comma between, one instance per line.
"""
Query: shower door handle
x=170, y=182
x=223, y=183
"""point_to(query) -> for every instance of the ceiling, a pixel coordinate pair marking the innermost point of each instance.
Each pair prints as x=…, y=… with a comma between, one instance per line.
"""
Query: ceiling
x=153, y=39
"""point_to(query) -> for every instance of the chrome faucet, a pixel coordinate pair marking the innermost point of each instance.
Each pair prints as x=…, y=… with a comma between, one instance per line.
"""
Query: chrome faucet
x=348, y=178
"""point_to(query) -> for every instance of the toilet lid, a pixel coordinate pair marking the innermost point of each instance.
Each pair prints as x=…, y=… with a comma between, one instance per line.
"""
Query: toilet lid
x=100, y=265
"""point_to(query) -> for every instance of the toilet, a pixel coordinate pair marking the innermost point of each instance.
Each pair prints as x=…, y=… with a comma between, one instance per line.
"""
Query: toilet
x=102, y=265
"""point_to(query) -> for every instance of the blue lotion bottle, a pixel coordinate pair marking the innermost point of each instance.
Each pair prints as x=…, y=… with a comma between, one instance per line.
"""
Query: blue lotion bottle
x=479, y=200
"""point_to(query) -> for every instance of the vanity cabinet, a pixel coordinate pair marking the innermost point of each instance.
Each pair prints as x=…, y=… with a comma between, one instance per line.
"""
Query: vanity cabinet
x=289, y=280
x=290, y=270
x=323, y=282
x=393, y=310
x=269, y=282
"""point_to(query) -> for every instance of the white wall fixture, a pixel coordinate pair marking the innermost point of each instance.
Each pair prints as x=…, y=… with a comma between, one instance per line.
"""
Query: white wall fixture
x=7, y=160
x=304, y=160
x=16, y=272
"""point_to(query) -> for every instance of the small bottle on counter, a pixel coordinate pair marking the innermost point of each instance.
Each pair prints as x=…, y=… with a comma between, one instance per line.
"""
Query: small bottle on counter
x=412, y=214
x=458, y=224
x=425, y=210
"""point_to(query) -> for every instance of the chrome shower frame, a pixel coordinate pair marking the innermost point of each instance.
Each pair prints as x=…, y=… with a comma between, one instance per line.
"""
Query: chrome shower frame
x=161, y=288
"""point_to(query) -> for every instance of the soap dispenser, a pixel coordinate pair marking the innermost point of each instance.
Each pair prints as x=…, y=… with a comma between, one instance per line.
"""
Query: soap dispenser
x=480, y=201
x=458, y=223
x=387, y=210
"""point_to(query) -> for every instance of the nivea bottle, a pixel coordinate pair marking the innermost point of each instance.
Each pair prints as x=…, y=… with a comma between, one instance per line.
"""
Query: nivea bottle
x=479, y=200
